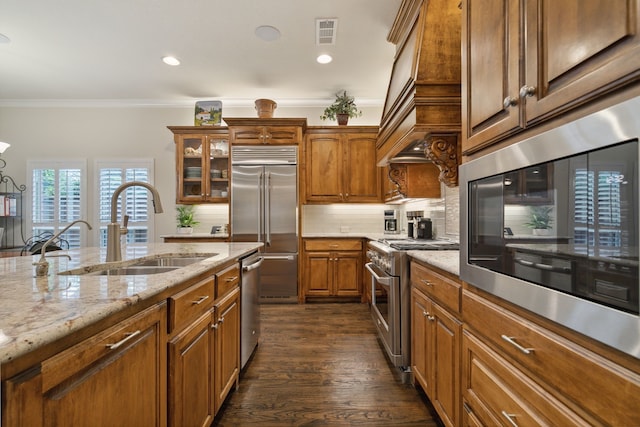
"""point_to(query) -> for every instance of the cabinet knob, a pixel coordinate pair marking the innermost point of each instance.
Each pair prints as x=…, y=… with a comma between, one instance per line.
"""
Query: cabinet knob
x=527, y=91
x=431, y=318
x=424, y=313
x=509, y=102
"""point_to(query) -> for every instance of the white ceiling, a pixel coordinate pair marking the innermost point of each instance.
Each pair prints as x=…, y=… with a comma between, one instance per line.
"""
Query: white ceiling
x=111, y=50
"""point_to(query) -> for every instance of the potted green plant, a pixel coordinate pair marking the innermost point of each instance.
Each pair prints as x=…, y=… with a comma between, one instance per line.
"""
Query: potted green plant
x=540, y=220
x=186, y=221
x=342, y=109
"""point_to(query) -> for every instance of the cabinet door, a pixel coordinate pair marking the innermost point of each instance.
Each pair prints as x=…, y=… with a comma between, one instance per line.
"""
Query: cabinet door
x=191, y=168
x=445, y=393
x=324, y=163
x=576, y=51
x=420, y=310
x=361, y=179
x=227, y=345
x=318, y=274
x=491, y=70
x=191, y=400
x=347, y=279
x=117, y=377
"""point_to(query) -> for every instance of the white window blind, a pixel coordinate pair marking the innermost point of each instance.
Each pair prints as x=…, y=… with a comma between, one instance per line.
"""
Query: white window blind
x=57, y=199
x=137, y=202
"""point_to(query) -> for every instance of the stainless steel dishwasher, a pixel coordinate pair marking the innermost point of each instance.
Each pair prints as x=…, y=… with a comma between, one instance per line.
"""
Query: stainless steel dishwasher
x=249, y=306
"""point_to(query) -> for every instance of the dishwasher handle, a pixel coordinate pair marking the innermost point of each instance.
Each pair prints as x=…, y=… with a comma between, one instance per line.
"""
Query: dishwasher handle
x=253, y=265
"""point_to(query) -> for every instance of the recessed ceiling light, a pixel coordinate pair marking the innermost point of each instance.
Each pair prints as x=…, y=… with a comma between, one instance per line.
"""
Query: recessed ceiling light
x=324, y=59
x=267, y=33
x=4, y=39
x=170, y=60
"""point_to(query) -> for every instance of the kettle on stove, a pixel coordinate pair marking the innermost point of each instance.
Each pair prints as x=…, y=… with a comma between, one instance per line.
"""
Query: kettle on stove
x=425, y=230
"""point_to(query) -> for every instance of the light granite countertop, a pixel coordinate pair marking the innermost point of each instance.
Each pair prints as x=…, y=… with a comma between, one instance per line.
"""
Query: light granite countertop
x=448, y=261
x=196, y=236
x=35, y=311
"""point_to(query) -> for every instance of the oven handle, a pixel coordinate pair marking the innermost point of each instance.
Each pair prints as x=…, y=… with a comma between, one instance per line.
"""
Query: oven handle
x=387, y=281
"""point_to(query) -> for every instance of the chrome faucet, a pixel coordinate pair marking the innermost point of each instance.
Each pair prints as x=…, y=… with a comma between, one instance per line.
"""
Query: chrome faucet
x=114, y=231
x=42, y=266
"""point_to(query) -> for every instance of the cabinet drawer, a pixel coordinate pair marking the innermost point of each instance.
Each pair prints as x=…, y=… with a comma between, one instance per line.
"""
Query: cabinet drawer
x=446, y=291
x=227, y=280
x=186, y=305
x=495, y=390
x=606, y=391
x=333, y=245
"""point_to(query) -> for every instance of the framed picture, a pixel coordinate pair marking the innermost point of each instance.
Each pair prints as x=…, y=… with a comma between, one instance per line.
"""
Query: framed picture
x=208, y=113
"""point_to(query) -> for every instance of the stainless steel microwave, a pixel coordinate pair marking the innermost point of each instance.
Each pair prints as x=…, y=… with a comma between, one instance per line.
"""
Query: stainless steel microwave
x=551, y=224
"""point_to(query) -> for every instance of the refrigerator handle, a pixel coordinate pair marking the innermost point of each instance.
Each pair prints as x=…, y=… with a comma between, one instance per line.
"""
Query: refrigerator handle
x=260, y=206
x=267, y=211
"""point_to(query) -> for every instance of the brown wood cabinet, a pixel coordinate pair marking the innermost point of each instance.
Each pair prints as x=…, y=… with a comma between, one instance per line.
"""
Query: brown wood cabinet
x=509, y=360
x=411, y=181
x=227, y=345
x=202, y=164
x=332, y=268
x=435, y=340
x=272, y=131
x=341, y=166
x=524, y=63
x=116, y=377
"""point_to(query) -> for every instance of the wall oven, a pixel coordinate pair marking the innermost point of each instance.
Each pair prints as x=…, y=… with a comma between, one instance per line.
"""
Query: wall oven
x=551, y=224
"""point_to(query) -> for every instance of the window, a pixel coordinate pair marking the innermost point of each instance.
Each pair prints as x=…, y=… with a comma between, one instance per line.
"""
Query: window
x=112, y=174
x=58, y=192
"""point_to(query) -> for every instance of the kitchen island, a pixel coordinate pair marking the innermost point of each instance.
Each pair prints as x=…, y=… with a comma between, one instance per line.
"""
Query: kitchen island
x=37, y=311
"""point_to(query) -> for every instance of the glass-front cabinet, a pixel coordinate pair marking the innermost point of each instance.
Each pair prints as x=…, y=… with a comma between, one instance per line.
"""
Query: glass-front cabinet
x=202, y=164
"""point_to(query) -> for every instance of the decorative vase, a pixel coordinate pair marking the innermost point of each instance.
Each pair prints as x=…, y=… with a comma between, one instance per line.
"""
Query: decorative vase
x=185, y=230
x=265, y=108
x=343, y=119
x=540, y=231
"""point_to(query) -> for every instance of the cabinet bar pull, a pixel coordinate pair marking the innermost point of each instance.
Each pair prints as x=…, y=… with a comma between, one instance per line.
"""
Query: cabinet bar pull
x=510, y=418
x=511, y=341
x=427, y=282
x=127, y=337
x=231, y=279
x=201, y=300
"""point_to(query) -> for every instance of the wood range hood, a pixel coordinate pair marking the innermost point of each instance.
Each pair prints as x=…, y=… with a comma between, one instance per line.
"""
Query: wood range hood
x=423, y=107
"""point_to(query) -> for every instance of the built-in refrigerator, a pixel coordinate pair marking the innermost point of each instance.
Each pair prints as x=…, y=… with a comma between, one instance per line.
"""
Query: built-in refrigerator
x=264, y=208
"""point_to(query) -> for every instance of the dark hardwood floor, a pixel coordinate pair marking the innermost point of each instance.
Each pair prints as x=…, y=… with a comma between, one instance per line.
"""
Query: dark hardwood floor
x=321, y=365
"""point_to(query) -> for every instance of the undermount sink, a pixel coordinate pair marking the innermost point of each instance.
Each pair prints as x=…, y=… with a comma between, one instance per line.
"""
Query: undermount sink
x=143, y=266
x=134, y=270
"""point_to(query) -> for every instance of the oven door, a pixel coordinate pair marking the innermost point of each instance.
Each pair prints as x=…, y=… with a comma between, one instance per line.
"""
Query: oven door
x=385, y=310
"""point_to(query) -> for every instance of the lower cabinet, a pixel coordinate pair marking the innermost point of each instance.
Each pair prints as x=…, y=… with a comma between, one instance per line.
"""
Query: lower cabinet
x=227, y=345
x=116, y=377
x=435, y=349
x=332, y=268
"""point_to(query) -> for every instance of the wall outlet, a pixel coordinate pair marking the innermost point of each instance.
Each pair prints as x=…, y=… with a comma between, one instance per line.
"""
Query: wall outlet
x=344, y=228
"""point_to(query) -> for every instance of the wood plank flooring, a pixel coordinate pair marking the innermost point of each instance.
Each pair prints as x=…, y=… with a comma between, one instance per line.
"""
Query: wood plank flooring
x=321, y=365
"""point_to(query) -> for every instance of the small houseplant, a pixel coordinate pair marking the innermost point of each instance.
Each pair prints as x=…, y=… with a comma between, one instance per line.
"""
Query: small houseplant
x=186, y=221
x=540, y=219
x=342, y=109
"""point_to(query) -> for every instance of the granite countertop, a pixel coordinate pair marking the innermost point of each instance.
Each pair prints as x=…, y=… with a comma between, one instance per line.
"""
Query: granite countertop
x=448, y=261
x=35, y=311
x=355, y=235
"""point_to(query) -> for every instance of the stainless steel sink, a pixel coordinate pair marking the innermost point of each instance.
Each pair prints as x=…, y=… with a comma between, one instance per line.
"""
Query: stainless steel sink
x=172, y=261
x=134, y=270
x=143, y=266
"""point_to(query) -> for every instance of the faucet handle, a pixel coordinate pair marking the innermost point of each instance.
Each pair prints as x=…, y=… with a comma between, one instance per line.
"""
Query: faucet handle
x=125, y=222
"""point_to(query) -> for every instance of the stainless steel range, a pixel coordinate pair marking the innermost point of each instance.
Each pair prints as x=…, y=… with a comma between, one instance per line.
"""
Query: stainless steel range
x=388, y=264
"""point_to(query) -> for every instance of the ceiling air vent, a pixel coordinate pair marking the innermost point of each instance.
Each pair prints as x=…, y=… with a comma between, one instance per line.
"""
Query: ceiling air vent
x=326, y=31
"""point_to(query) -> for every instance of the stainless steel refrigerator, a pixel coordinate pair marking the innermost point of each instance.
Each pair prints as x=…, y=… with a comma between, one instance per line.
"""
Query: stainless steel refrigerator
x=264, y=208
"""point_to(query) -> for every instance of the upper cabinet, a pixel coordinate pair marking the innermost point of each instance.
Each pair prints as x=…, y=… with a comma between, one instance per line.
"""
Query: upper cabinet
x=340, y=165
x=259, y=131
x=527, y=62
x=423, y=98
x=202, y=164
